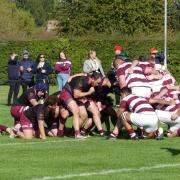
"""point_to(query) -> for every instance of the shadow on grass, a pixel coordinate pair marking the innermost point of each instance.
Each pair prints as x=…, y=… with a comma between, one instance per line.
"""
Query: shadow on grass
x=173, y=151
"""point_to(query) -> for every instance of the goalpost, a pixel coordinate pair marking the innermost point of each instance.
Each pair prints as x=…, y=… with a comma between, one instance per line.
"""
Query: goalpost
x=165, y=32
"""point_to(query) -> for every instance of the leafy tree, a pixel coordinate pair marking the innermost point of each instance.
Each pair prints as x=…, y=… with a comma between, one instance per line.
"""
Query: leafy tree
x=80, y=17
x=40, y=9
x=14, y=22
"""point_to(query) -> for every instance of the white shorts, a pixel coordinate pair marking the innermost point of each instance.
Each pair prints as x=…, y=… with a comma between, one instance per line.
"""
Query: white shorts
x=165, y=117
x=141, y=91
x=148, y=121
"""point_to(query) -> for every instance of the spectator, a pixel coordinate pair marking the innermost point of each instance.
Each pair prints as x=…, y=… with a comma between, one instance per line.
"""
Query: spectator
x=26, y=67
x=63, y=69
x=42, y=69
x=156, y=57
x=118, y=50
x=13, y=77
x=93, y=63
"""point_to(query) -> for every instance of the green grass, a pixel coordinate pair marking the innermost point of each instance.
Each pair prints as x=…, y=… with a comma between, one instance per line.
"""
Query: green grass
x=59, y=157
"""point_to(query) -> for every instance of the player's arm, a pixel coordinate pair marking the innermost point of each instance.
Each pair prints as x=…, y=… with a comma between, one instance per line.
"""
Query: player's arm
x=41, y=129
x=79, y=94
x=122, y=82
x=34, y=102
x=106, y=82
x=118, y=125
x=175, y=115
x=120, y=112
x=161, y=101
x=134, y=64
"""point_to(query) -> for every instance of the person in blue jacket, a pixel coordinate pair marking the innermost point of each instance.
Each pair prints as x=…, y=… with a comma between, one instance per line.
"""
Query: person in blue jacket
x=26, y=69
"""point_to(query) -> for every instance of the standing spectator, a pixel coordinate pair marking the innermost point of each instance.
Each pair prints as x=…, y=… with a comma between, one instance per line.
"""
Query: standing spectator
x=118, y=50
x=156, y=57
x=93, y=64
x=42, y=69
x=26, y=67
x=63, y=69
x=13, y=77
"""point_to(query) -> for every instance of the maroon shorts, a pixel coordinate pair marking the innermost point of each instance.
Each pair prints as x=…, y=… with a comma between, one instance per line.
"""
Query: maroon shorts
x=16, y=112
x=65, y=97
x=26, y=123
x=84, y=102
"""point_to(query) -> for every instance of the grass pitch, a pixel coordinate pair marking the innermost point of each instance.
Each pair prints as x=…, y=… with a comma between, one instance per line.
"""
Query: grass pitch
x=94, y=158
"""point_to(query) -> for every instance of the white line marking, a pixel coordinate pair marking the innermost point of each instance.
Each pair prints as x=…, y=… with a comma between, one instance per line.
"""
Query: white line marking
x=40, y=142
x=106, y=172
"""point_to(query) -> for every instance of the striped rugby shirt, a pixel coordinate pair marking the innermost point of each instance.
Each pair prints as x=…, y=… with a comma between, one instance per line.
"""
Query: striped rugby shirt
x=171, y=108
x=136, y=79
x=136, y=104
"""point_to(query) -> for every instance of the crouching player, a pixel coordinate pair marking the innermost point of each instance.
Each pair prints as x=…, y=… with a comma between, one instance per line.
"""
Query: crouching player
x=170, y=115
x=28, y=99
x=33, y=118
x=141, y=114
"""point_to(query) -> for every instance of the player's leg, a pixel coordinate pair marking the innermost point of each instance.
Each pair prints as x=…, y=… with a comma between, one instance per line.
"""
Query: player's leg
x=64, y=114
x=83, y=115
x=73, y=108
x=92, y=108
x=126, y=121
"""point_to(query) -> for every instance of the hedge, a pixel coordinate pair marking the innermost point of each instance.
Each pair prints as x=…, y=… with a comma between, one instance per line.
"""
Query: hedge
x=77, y=51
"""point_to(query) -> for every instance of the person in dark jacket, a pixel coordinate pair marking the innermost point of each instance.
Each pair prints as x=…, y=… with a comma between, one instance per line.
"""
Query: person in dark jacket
x=26, y=69
x=13, y=78
x=42, y=69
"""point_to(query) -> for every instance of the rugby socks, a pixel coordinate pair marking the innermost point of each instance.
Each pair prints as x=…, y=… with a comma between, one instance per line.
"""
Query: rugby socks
x=131, y=133
x=84, y=131
x=3, y=128
x=15, y=130
x=113, y=135
x=178, y=132
x=77, y=133
x=101, y=132
x=60, y=132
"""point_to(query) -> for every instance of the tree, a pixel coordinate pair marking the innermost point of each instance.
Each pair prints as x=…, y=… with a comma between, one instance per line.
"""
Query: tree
x=14, y=22
x=80, y=17
x=41, y=10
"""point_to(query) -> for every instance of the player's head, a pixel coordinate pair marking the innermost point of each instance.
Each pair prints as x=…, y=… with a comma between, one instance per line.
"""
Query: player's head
x=41, y=89
x=96, y=78
x=51, y=102
x=125, y=91
x=120, y=59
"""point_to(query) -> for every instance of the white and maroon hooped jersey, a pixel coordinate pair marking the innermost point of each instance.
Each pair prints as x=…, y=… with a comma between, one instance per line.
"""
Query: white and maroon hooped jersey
x=171, y=108
x=136, y=79
x=168, y=80
x=136, y=104
x=144, y=64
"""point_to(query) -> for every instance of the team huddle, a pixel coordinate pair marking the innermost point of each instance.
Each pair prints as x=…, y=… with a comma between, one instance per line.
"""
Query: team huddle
x=148, y=98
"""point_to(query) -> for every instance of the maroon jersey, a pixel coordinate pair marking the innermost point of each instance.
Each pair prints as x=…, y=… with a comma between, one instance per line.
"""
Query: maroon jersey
x=36, y=113
x=79, y=83
x=24, y=99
